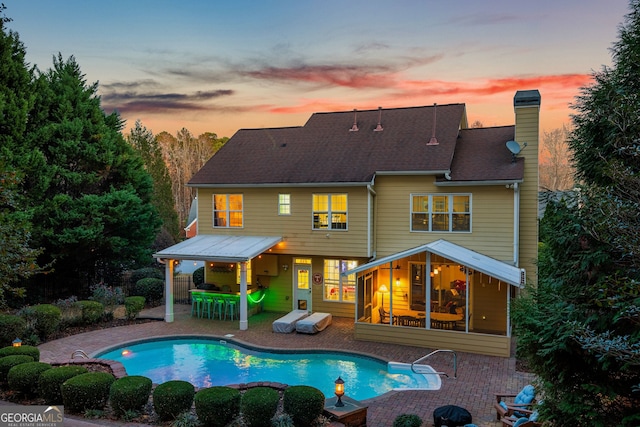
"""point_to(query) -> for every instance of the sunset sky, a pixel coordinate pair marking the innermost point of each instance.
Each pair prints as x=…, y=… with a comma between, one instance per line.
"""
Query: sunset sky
x=218, y=66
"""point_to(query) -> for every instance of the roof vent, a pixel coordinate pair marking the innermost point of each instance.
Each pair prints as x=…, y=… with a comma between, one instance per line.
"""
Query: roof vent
x=433, y=140
x=379, y=127
x=354, y=128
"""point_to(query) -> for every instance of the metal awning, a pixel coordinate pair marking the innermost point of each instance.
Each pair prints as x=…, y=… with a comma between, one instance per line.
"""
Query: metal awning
x=219, y=248
x=463, y=256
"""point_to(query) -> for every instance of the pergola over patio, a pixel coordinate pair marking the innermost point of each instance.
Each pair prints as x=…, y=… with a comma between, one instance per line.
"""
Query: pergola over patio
x=215, y=248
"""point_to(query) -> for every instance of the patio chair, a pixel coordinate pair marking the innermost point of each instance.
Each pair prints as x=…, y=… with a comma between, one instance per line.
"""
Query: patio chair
x=522, y=400
x=409, y=321
x=384, y=315
x=530, y=418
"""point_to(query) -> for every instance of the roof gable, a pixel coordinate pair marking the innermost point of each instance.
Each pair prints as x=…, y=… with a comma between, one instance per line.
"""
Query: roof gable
x=481, y=155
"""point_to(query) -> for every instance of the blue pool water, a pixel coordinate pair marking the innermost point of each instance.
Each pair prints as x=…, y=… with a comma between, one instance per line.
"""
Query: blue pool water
x=206, y=363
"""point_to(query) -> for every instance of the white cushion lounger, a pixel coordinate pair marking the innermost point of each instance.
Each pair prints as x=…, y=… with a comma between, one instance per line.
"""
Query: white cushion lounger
x=315, y=323
x=287, y=323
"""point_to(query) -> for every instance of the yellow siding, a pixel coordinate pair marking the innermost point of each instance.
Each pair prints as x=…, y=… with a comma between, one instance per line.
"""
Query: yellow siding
x=492, y=345
x=492, y=217
x=261, y=218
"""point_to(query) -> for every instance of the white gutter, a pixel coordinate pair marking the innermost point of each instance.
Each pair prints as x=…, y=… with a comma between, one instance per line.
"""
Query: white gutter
x=415, y=172
x=475, y=183
x=282, y=184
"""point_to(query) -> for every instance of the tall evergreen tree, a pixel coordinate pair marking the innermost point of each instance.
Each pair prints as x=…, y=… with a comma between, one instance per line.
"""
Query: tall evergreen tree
x=146, y=145
x=580, y=329
x=91, y=200
x=16, y=94
x=16, y=100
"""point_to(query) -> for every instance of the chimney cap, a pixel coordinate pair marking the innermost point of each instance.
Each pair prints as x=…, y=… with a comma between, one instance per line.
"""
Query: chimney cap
x=525, y=98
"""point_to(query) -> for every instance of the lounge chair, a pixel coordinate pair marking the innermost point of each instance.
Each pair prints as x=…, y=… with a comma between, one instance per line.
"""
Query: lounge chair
x=523, y=400
x=287, y=323
x=315, y=323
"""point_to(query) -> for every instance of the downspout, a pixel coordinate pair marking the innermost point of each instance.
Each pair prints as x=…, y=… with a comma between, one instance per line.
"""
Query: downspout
x=370, y=219
x=516, y=247
x=516, y=224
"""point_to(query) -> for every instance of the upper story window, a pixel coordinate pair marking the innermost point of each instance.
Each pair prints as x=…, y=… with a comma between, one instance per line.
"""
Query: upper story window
x=329, y=211
x=441, y=212
x=336, y=286
x=284, y=204
x=227, y=210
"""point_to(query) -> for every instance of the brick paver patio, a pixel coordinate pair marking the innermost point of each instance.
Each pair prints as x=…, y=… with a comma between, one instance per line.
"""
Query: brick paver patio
x=478, y=376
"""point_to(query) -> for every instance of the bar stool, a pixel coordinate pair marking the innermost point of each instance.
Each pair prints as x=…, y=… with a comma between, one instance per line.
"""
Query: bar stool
x=196, y=304
x=218, y=307
x=230, y=308
x=208, y=303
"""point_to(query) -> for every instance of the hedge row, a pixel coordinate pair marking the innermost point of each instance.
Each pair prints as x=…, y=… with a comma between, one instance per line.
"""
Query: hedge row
x=80, y=391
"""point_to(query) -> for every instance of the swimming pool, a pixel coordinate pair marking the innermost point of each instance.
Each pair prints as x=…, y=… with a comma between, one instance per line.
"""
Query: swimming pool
x=208, y=362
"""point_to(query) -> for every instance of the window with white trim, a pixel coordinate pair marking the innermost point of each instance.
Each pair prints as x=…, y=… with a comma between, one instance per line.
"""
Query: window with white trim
x=227, y=210
x=329, y=211
x=441, y=212
x=337, y=287
x=284, y=204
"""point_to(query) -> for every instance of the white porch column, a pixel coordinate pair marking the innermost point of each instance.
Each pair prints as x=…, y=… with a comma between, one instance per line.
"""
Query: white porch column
x=168, y=290
x=244, y=323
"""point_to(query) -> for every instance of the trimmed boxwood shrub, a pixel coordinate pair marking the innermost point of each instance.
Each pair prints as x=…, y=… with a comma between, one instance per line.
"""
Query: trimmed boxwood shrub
x=133, y=306
x=91, y=311
x=130, y=393
x=304, y=403
x=150, y=288
x=50, y=382
x=87, y=391
x=28, y=350
x=47, y=319
x=24, y=377
x=172, y=398
x=11, y=326
x=259, y=405
x=407, y=420
x=8, y=362
x=217, y=406
x=143, y=273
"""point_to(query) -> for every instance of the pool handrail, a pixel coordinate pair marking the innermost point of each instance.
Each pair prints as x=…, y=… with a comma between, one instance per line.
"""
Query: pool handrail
x=455, y=363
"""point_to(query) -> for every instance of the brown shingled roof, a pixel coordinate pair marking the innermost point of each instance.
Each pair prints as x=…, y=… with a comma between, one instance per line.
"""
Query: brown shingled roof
x=324, y=151
x=482, y=155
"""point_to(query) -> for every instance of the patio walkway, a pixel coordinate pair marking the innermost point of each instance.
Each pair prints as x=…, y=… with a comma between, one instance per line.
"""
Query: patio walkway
x=478, y=376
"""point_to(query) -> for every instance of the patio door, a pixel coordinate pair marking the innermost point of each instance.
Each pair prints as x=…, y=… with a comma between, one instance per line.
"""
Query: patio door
x=302, y=286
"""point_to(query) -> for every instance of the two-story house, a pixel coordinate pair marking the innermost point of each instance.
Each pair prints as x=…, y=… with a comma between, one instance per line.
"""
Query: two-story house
x=418, y=227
